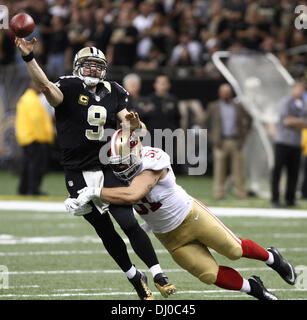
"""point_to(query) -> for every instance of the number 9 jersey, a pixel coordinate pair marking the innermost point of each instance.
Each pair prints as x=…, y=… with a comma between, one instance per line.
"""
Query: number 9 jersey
x=167, y=204
x=82, y=118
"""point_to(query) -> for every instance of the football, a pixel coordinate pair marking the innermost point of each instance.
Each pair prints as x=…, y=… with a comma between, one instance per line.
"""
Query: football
x=22, y=25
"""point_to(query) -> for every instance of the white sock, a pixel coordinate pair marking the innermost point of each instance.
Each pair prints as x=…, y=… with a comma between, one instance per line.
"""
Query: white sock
x=245, y=286
x=270, y=259
x=131, y=272
x=155, y=270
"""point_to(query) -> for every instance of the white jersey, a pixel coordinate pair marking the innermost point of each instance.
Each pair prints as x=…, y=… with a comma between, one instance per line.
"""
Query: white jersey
x=167, y=204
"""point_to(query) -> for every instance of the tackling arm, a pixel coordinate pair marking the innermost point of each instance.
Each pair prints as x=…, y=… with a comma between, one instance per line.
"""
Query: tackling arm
x=140, y=186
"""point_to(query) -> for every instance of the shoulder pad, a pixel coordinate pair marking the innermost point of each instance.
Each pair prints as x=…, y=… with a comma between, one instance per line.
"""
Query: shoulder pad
x=155, y=159
x=66, y=81
x=119, y=88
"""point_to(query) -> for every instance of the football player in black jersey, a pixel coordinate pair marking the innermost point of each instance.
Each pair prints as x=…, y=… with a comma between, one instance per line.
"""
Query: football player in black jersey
x=85, y=105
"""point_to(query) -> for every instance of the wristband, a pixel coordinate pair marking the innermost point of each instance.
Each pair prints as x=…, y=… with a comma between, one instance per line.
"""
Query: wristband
x=29, y=57
x=97, y=192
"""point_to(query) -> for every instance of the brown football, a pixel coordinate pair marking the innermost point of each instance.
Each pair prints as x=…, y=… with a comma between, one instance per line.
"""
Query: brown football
x=22, y=25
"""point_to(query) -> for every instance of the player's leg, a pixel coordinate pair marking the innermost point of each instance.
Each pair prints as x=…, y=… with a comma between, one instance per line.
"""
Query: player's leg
x=138, y=238
x=112, y=241
x=197, y=260
x=214, y=234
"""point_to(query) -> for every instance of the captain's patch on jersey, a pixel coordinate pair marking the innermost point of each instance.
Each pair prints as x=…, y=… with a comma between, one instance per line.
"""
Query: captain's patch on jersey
x=83, y=100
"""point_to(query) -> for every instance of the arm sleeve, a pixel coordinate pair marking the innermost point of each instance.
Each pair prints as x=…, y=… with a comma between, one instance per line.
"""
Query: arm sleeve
x=122, y=97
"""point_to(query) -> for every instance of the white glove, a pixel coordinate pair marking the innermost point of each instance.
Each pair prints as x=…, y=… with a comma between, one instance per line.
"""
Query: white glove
x=72, y=206
x=87, y=194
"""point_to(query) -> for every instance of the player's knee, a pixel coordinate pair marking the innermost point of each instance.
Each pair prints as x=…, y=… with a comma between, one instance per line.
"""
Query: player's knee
x=235, y=253
x=208, y=277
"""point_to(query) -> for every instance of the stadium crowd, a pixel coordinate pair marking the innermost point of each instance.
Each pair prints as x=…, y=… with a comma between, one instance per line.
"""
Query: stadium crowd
x=150, y=34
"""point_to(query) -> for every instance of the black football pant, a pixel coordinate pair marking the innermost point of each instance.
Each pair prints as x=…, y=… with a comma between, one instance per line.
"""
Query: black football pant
x=104, y=227
x=286, y=157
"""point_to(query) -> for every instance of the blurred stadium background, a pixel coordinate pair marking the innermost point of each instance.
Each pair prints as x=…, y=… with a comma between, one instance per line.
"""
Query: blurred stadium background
x=253, y=45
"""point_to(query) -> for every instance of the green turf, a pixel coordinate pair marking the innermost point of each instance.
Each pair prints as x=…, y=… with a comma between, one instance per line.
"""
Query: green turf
x=58, y=256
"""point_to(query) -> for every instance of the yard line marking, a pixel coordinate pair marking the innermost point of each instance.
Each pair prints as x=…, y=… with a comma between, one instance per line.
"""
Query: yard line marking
x=12, y=240
x=114, y=271
x=66, y=252
x=6, y=239
x=24, y=286
x=89, y=252
x=48, y=206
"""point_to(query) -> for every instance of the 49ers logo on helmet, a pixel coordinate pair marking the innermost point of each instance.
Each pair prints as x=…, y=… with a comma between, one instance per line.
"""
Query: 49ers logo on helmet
x=133, y=141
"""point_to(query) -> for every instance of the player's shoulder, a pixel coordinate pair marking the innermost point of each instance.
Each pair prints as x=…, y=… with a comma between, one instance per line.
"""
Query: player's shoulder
x=68, y=81
x=154, y=159
x=115, y=86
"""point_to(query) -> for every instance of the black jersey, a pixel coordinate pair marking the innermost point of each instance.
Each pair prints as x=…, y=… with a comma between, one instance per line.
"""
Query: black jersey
x=82, y=118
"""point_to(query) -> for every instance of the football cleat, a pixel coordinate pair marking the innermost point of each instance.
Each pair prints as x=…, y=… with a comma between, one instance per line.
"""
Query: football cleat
x=163, y=285
x=258, y=290
x=139, y=281
x=282, y=266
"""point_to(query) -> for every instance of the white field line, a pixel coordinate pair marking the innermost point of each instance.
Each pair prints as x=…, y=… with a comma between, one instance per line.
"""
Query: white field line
x=8, y=239
x=204, y=293
x=219, y=211
x=49, y=272
x=45, y=272
x=90, y=252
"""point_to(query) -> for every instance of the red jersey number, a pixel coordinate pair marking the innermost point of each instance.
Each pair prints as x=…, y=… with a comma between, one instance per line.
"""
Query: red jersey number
x=145, y=206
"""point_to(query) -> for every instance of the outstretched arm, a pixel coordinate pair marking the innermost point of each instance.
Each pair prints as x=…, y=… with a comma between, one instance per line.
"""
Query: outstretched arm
x=140, y=186
x=53, y=94
x=130, y=120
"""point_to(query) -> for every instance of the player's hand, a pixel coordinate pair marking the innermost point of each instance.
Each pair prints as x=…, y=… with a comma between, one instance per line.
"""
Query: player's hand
x=132, y=121
x=72, y=206
x=24, y=46
x=87, y=194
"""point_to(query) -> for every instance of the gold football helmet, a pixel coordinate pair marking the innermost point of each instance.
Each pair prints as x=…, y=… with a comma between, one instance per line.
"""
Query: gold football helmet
x=90, y=55
x=125, y=154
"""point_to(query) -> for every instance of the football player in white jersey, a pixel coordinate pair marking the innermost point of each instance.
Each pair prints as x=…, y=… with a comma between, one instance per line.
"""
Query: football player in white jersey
x=183, y=224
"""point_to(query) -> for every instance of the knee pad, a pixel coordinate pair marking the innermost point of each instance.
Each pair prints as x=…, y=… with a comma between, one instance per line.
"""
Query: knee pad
x=208, y=277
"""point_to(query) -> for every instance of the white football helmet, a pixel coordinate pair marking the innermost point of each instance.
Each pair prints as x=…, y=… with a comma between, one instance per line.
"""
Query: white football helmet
x=125, y=154
x=90, y=54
